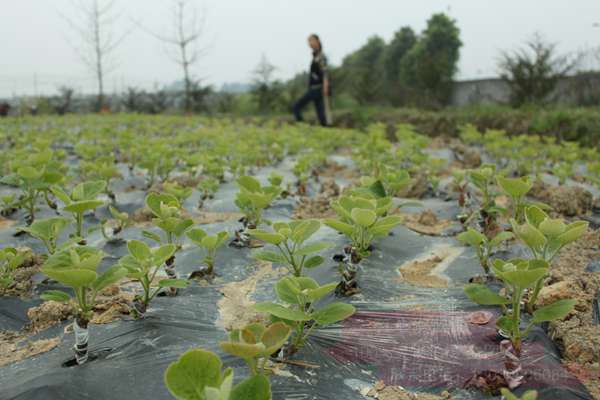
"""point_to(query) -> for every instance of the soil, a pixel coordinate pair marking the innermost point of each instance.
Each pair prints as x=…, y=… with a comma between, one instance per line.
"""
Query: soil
x=206, y=217
x=382, y=392
x=235, y=307
x=22, y=286
x=47, y=314
x=113, y=303
x=6, y=223
x=427, y=271
x=318, y=206
x=468, y=157
x=577, y=335
x=417, y=188
x=566, y=200
x=142, y=215
x=426, y=223
x=14, y=347
x=334, y=170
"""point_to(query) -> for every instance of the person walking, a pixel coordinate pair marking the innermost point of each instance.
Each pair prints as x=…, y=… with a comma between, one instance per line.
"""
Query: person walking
x=318, y=84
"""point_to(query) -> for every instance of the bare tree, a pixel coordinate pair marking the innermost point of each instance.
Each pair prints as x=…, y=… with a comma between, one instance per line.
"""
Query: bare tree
x=94, y=23
x=187, y=29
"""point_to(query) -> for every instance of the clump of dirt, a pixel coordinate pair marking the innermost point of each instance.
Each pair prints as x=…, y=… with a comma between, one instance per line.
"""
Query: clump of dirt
x=468, y=157
x=577, y=335
x=383, y=392
x=186, y=180
x=112, y=304
x=318, y=206
x=47, y=314
x=235, y=307
x=332, y=169
x=427, y=271
x=142, y=215
x=14, y=347
x=426, y=223
x=416, y=189
x=566, y=200
x=206, y=217
x=22, y=285
x=6, y=223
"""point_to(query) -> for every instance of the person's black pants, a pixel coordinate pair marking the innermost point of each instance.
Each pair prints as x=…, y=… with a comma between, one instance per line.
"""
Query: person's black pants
x=316, y=96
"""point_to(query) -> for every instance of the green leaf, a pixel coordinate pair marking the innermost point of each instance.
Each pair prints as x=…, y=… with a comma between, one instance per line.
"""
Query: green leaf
x=281, y=312
x=152, y=236
x=573, y=232
x=253, y=388
x=340, y=226
x=557, y=310
x=304, y=230
x=534, y=215
x=175, y=283
x=333, y=313
x=270, y=256
x=163, y=253
x=530, y=235
x=249, y=183
x=524, y=278
x=552, y=227
x=109, y=277
x=313, y=248
x=313, y=262
x=320, y=292
x=363, y=217
x=268, y=237
x=55, y=295
x=481, y=294
x=79, y=207
x=501, y=237
x=74, y=278
x=515, y=187
x=87, y=190
x=196, y=369
x=275, y=336
x=138, y=249
x=196, y=235
x=471, y=237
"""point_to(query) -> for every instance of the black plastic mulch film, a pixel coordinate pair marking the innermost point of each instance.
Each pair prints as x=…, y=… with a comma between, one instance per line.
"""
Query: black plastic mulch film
x=405, y=335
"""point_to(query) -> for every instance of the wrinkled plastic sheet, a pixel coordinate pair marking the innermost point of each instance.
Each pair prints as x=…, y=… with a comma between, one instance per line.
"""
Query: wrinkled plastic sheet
x=405, y=335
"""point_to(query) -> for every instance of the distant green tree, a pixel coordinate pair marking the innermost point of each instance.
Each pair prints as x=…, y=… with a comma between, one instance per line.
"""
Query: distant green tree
x=266, y=91
x=404, y=39
x=363, y=71
x=532, y=72
x=429, y=67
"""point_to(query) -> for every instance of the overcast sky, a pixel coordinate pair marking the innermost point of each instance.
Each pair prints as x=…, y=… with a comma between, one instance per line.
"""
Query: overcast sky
x=35, y=50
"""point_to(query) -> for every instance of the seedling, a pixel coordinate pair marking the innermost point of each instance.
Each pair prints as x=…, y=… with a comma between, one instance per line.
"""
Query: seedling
x=34, y=176
x=256, y=343
x=290, y=238
x=143, y=264
x=528, y=395
x=545, y=237
x=348, y=265
x=82, y=199
x=210, y=244
x=119, y=221
x=516, y=189
x=300, y=295
x=518, y=276
x=181, y=193
x=48, y=231
x=483, y=179
x=10, y=259
x=198, y=375
x=362, y=219
x=484, y=247
x=207, y=187
x=76, y=267
x=252, y=199
x=8, y=205
x=103, y=169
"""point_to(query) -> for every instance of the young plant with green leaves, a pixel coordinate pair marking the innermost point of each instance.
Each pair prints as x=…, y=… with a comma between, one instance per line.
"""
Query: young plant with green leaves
x=48, y=231
x=10, y=260
x=209, y=244
x=83, y=198
x=207, y=187
x=119, y=222
x=102, y=169
x=518, y=276
x=253, y=198
x=545, y=237
x=198, y=375
x=290, y=239
x=168, y=217
x=255, y=343
x=8, y=204
x=143, y=264
x=484, y=179
x=300, y=296
x=362, y=219
x=516, y=189
x=181, y=193
x=484, y=247
x=77, y=268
